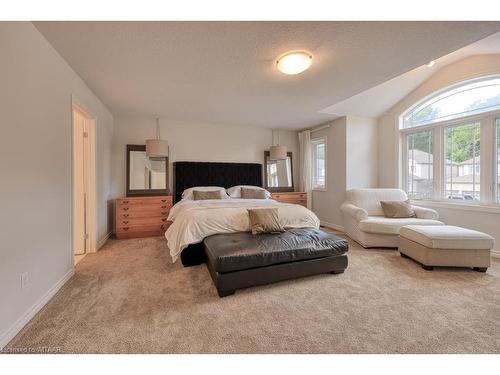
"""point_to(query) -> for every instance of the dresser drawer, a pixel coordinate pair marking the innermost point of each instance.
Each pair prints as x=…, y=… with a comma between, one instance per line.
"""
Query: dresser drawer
x=138, y=221
x=165, y=201
x=296, y=196
x=148, y=208
x=291, y=197
x=140, y=227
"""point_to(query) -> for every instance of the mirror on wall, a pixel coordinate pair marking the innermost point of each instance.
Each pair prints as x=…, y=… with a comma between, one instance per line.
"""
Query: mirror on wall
x=278, y=173
x=145, y=175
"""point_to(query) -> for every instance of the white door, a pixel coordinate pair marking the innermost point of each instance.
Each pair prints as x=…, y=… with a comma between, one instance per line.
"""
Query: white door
x=81, y=178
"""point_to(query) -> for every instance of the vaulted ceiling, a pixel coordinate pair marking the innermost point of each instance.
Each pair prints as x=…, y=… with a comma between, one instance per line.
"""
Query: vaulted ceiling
x=224, y=72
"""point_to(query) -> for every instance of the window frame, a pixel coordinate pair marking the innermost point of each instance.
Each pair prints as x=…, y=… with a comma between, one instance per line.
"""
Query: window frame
x=314, y=141
x=442, y=91
x=488, y=161
x=496, y=160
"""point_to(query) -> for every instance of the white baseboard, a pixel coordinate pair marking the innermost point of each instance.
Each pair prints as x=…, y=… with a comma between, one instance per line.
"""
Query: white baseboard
x=495, y=253
x=31, y=312
x=103, y=240
x=332, y=226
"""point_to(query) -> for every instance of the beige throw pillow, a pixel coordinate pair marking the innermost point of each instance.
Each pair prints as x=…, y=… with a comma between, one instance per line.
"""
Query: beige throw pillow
x=397, y=209
x=204, y=195
x=265, y=220
x=248, y=193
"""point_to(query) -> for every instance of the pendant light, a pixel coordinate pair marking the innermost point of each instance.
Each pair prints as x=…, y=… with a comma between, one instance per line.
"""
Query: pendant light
x=277, y=152
x=157, y=148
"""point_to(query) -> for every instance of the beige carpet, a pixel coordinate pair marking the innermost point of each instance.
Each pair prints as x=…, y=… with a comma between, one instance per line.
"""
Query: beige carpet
x=130, y=298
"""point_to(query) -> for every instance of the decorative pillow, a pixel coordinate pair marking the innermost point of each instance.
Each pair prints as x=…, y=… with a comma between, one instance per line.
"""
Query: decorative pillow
x=247, y=193
x=204, y=195
x=265, y=220
x=188, y=193
x=397, y=209
x=235, y=191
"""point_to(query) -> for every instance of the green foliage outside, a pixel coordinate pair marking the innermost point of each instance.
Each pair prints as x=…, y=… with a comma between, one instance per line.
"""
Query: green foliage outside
x=462, y=142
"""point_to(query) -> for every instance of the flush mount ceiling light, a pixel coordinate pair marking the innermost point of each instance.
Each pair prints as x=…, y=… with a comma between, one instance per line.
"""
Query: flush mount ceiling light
x=431, y=64
x=294, y=62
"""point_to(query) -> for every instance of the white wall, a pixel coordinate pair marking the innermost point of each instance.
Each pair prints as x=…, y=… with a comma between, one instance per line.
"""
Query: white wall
x=326, y=204
x=389, y=175
x=35, y=219
x=362, y=152
x=352, y=153
x=189, y=141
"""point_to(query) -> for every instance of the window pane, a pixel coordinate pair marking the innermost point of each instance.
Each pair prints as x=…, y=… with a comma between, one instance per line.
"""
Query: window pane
x=420, y=165
x=462, y=162
x=468, y=99
x=319, y=172
x=497, y=124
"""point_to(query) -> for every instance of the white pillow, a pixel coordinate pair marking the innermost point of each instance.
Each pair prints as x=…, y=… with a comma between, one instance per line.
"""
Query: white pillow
x=235, y=191
x=188, y=193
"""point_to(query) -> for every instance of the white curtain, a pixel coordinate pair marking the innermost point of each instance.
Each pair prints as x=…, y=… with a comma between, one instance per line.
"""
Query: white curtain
x=305, y=165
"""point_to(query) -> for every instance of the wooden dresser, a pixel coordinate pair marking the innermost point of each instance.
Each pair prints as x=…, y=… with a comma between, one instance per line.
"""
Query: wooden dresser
x=295, y=197
x=142, y=216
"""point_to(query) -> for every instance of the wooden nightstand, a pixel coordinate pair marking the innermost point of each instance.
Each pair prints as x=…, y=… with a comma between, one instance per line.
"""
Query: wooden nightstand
x=295, y=197
x=142, y=216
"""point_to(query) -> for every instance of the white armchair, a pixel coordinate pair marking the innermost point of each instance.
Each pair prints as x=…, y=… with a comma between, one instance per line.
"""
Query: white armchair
x=364, y=219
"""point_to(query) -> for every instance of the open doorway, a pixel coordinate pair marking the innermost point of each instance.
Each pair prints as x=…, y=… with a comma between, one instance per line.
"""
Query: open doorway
x=84, y=223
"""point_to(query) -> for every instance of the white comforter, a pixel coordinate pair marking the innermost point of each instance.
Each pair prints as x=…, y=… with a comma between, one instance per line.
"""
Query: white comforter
x=195, y=220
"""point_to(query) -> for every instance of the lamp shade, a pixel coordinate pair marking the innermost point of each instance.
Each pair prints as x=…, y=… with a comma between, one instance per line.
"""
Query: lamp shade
x=156, y=148
x=277, y=152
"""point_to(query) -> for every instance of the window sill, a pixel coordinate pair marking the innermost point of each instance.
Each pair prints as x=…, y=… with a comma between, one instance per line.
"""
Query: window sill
x=319, y=189
x=478, y=207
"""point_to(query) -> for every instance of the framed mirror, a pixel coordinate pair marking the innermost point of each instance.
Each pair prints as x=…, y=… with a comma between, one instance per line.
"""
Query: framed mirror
x=145, y=175
x=278, y=174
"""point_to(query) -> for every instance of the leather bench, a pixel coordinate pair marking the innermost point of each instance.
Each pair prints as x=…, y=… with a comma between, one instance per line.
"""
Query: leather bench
x=241, y=260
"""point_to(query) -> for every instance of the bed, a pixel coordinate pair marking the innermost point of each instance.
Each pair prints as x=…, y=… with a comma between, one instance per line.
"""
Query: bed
x=218, y=232
x=193, y=221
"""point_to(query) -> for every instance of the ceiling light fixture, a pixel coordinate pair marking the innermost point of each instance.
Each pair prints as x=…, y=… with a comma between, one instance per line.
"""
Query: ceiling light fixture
x=157, y=148
x=276, y=151
x=294, y=62
x=431, y=64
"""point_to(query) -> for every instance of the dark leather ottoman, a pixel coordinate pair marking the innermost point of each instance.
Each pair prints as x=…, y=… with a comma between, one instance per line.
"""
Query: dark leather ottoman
x=241, y=260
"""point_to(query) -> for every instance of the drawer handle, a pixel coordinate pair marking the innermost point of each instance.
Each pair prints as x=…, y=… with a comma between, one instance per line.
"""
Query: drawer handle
x=164, y=213
x=163, y=226
x=126, y=228
x=163, y=206
x=125, y=208
x=125, y=201
x=125, y=222
x=164, y=219
x=125, y=215
x=163, y=200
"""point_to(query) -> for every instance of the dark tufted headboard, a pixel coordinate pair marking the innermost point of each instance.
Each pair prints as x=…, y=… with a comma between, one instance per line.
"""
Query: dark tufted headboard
x=188, y=174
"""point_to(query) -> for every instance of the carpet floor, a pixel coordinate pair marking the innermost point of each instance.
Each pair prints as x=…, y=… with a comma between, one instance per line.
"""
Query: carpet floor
x=130, y=298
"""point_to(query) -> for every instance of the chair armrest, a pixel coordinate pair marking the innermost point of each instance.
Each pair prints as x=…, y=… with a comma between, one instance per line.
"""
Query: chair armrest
x=425, y=213
x=355, y=212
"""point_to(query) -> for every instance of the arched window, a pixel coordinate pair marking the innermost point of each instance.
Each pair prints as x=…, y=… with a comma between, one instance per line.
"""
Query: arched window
x=451, y=144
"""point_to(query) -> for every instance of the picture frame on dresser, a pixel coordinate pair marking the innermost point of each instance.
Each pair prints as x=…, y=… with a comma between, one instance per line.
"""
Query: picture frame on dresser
x=145, y=176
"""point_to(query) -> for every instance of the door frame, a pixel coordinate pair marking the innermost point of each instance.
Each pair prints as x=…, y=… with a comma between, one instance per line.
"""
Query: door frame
x=91, y=217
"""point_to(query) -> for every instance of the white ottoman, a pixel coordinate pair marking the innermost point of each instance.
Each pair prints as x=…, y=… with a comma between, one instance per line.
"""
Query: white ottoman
x=446, y=245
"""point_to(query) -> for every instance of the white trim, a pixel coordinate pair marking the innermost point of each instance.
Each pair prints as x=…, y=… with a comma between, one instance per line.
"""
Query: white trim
x=323, y=139
x=76, y=105
x=495, y=254
x=332, y=226
x=457, y=206
x=103, y=240
x=19, y=324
